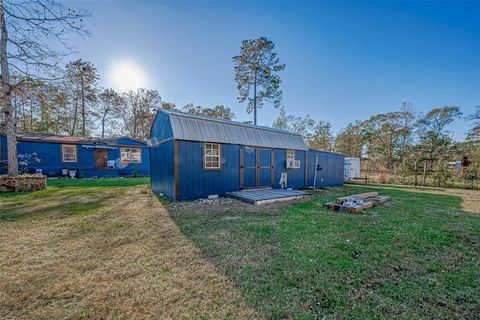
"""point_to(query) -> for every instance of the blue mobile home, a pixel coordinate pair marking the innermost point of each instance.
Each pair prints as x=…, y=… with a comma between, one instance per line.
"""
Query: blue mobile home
x=194, y=156
x=54, y=155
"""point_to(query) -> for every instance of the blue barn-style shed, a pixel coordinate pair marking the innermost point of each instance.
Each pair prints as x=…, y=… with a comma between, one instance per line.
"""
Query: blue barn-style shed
x=195, y=156
x=89, y=157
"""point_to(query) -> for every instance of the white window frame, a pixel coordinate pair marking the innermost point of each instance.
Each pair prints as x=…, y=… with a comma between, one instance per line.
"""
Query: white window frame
x=64, y=153
x=129, y=159
x=289, y=155
x=209, y=157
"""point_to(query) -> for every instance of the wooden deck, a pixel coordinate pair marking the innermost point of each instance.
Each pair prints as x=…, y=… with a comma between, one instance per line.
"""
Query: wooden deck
x=266, y=195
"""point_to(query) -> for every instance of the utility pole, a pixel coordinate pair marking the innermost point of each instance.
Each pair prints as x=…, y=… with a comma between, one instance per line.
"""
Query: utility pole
x=83, y=102
x=255, y=101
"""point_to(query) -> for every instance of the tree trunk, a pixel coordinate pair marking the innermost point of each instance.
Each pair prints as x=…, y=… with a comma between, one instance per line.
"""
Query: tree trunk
x=15, y=108
x=416, y=175
x=74, y=117
x=425, y=173
x=366, y=170
x=24, y=113
x=135, y=127
x=31, y=115
x=42, y=117
x=7, y=99
x=103, y=124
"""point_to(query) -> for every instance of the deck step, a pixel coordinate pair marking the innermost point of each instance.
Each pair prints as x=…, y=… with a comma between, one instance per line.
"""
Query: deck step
x=267, y=195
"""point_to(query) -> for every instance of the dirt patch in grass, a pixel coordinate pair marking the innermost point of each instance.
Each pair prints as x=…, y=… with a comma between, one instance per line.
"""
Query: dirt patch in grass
x=224, y=205
x=126, y=259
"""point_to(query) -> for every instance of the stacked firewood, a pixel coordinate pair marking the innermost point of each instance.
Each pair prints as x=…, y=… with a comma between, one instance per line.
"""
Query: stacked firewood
x=357, y=202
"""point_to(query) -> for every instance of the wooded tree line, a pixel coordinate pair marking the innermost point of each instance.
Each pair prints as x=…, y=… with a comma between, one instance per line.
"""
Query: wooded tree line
x=402, y=146
x=75, y=105
x=41, y=95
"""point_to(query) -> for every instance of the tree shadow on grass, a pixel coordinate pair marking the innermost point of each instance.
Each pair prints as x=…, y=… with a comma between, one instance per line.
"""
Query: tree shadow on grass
x=61, y=206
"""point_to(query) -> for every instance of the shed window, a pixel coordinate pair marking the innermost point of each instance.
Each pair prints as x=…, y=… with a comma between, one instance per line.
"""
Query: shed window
x=290, y=155
x=130, y=155
x=69, y=153
x=212, y=156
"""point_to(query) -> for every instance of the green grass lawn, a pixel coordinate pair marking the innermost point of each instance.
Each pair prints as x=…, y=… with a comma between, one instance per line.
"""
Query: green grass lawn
x=416, y=257
x=70, y=196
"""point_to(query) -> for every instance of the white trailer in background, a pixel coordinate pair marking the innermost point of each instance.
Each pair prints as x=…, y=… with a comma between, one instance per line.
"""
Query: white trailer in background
x=351, y=169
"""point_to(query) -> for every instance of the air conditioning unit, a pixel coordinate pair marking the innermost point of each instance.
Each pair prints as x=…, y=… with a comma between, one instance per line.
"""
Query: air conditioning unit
x=293, y=164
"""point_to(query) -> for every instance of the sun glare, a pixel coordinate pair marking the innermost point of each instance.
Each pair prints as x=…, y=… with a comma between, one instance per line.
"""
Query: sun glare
x=127, y=75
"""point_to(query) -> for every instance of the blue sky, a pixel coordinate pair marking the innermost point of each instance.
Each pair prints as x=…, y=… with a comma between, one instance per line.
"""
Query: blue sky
x=344, y=60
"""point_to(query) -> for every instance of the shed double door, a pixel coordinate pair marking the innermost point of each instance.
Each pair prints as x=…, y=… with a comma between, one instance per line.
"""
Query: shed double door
x=256, y=168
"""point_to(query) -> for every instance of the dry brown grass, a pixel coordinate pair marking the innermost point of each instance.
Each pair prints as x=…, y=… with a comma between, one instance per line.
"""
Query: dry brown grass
x=126, y=260
x=470, y=198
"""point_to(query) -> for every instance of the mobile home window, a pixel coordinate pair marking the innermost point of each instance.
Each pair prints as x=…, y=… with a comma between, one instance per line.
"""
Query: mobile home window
x=69, y=153
x=290, y=155
x=130, y=155
x=212, y=156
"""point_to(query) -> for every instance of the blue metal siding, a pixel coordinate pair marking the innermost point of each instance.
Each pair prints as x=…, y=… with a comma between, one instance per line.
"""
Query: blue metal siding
x=335, y=169
x=161, y=128
x=162, y=169
x=280, y=165
x=50, y=155
x=3, y=154
x=195, y=182
x=139, y=169
x=312, y=167
x=264, y=178
x=264, y=157
x=331, y=173
x=249, y=167
x=295, y=177
x=265, y=168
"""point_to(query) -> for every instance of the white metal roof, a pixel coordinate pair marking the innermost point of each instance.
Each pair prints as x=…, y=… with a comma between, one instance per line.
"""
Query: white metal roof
x=194, y=127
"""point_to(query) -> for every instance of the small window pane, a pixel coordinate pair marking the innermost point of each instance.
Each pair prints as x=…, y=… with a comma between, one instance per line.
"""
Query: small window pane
x=69, y=153
x=130, y=155
x=211, y=158
x=290, y=155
